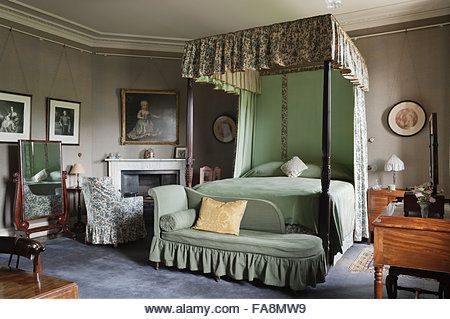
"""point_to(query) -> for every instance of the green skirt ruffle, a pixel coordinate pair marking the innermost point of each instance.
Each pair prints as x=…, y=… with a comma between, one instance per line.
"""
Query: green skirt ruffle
x=295, y=273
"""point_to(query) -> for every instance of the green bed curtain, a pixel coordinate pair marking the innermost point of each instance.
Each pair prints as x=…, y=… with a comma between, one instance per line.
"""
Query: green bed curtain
x=245, y=130
x=246, y=113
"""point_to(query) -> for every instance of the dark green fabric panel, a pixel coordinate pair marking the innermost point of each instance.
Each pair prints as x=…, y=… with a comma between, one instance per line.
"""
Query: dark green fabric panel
x=267, y=137
x=305, y=115
x=304, y=119
x=342, y=106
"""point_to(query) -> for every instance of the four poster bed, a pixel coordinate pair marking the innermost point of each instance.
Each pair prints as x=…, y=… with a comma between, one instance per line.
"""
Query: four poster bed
x=236, y=62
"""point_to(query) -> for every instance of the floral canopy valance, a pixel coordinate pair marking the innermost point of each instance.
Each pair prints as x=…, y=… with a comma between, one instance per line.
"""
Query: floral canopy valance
x=298, y=44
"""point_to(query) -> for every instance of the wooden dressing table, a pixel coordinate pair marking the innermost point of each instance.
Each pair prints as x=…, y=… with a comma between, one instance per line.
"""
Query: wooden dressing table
x=379, y=199
x=416, y=243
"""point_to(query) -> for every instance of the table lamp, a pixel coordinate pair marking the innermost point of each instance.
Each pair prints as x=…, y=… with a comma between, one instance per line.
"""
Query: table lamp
x=77, y=169
x=394, y=164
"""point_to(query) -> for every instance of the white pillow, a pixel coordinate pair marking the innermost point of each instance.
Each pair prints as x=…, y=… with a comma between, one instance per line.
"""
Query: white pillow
x=294, y=167
x=40, y=176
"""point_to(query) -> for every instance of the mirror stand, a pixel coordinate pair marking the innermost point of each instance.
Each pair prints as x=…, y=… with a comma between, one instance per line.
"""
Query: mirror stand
x=41, y=200
x=58, y=222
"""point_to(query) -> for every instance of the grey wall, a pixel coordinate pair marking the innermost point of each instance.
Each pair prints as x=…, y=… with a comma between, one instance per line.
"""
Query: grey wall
x=39, y=61
x=109, y=75
x=208, y=151
x=414, y=70
x=98, y=80
x=112, y=73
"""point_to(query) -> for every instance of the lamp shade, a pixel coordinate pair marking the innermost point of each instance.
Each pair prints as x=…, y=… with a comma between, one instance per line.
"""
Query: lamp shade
x=76, y=169
x=394, y=164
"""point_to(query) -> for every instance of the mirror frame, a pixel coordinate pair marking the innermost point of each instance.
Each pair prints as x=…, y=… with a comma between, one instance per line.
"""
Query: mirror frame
x=57, y=222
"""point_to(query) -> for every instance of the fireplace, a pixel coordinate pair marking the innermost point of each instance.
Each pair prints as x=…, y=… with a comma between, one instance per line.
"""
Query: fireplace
x=158, y=165
x=134, y=177
x=137, y=183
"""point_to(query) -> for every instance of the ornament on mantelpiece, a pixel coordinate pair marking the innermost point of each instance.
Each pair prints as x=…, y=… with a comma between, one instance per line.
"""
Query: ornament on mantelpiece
x=149, y=153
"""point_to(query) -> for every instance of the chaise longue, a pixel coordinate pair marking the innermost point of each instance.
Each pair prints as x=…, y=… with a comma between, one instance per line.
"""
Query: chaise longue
x=262, y=250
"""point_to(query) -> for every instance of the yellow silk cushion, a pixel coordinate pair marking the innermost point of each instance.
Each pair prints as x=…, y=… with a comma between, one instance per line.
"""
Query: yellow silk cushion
x=220, y=217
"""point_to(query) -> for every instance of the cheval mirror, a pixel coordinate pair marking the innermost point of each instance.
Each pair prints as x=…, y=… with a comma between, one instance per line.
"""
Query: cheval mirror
x=410, y=200
x=40, y=188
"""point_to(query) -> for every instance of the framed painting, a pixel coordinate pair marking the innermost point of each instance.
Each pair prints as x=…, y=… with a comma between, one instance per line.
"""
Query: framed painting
x=406, y=118
x=180, y=152
x=15, y=117
x=224, y=129
x=149, y=117
x=63, y=121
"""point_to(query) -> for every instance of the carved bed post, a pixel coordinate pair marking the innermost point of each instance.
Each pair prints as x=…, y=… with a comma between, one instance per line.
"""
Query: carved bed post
x=325, y=207
x=190, y=133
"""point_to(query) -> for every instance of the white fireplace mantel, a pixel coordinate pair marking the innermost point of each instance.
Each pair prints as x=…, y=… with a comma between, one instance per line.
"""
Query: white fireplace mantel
x=116, y=166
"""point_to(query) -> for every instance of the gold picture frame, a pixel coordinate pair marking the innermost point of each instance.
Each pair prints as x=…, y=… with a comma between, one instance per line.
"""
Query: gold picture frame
x=149, y=117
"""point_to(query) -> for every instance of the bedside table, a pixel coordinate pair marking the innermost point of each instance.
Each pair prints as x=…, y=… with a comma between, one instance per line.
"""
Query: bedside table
x=377, y=201
x=79, y=227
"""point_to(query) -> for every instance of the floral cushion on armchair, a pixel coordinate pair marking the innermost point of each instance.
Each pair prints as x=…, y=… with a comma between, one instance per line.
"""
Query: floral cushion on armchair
x=41, y=205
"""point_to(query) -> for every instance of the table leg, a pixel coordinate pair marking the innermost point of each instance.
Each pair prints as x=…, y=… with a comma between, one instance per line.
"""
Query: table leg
x=378, y=282
x=79, y=226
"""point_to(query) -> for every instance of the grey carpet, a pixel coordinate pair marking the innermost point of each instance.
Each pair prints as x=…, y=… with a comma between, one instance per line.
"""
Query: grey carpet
x=124, y=272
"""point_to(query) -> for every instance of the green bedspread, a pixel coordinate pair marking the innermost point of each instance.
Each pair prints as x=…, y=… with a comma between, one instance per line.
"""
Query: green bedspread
x=297, y=199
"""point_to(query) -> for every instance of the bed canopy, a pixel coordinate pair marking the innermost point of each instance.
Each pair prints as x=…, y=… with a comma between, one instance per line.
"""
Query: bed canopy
x=235, y=61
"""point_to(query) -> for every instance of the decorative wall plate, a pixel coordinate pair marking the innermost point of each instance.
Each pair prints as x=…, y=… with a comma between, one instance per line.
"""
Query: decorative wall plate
x=224, y=129
x=406, y=118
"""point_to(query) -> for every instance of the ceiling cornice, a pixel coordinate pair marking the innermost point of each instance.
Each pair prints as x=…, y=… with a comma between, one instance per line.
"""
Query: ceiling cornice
x=386, y=15
x=90, y=37
x=43, y=21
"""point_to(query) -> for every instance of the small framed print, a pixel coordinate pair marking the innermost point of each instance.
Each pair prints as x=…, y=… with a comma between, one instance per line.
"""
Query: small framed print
x=63, y=121
x=217, y=173
x=406, y=118
x=180, y=152
x=206, y=174
x=15, y=117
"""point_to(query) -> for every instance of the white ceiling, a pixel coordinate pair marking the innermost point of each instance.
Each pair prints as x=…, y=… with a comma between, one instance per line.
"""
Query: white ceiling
x=165, y=24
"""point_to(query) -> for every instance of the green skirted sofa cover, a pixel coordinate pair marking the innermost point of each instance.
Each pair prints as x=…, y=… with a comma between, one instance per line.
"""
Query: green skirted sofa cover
x=261, y=251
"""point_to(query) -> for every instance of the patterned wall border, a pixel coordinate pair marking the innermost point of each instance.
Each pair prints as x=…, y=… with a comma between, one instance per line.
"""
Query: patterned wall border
x=284, y=117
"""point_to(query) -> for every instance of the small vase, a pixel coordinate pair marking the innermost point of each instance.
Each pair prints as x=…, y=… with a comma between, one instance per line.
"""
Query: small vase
x=424, y=210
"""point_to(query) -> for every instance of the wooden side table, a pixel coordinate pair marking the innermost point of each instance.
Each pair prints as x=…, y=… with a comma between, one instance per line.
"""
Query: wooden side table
x=377, y=201
x=79, y=227
x=411, y=246
x=17, y=284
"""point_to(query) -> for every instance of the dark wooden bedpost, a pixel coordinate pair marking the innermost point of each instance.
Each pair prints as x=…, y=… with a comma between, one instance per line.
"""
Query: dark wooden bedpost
x=190, y=133
x=434, y=168
x=325, y=206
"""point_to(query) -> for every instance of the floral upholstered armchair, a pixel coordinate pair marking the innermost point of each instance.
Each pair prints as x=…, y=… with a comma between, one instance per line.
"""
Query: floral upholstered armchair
x=111, y=219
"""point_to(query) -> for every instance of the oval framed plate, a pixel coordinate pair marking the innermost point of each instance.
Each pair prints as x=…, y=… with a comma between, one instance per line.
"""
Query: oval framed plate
x=406, y=118
x=224, y=129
